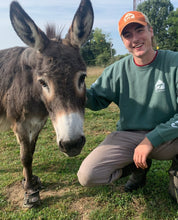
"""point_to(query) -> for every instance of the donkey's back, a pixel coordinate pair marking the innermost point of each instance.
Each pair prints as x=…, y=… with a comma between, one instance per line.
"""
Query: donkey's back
x=19, y=95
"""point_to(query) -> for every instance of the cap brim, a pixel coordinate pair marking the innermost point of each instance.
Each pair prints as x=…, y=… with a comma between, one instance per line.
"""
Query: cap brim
x=136, y=21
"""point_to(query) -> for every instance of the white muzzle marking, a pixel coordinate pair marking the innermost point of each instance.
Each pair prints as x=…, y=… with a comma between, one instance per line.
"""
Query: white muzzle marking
x=68, y=126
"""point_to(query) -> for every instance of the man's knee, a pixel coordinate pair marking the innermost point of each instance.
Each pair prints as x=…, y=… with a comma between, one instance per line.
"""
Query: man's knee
x=85, y=178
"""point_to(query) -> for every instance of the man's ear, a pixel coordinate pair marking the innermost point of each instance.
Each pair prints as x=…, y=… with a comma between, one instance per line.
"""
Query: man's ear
x=151, y=30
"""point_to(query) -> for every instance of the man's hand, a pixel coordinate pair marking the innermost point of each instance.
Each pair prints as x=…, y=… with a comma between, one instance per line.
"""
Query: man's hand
x=141, y=153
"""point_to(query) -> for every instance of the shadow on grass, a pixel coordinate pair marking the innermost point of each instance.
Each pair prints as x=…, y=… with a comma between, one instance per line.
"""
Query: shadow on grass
x=61, y=187
x=159, y=204
x=154, y=200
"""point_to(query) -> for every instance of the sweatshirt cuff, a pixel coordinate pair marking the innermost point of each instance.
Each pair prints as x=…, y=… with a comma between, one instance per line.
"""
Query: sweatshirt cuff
x=154, y=138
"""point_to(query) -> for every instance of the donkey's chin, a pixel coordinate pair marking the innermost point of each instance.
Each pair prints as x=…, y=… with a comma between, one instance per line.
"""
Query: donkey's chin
x=72, y=154
x=72, y=148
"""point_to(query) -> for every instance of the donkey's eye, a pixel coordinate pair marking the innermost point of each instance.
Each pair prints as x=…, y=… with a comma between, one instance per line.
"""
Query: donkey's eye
x=81, y=79
x=43, y=83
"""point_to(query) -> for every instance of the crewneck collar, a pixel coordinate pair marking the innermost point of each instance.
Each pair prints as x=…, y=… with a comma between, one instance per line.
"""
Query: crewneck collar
x=156, y=53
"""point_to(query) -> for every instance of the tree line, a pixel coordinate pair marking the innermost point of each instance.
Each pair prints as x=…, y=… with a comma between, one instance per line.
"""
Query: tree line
x=163, y=18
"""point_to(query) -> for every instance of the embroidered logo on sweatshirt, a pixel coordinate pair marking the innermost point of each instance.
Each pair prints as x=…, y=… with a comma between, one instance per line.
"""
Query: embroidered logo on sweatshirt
x=174, y=124
x=160, y=86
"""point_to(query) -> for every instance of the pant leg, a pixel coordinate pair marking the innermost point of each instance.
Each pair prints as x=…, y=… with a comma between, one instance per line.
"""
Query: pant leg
x=104, y=164
x=166, y=151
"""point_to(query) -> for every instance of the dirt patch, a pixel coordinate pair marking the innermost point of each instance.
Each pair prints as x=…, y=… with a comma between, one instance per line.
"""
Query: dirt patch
x=15, y=193
x=84, y=206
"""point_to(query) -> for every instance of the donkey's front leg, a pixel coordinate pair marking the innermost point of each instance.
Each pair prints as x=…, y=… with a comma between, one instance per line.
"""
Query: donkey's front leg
x=26, y=157
x=31, y=184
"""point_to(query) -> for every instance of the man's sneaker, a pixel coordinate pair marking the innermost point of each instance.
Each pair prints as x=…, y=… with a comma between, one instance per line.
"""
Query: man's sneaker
x=173, y=179
x=137, y=178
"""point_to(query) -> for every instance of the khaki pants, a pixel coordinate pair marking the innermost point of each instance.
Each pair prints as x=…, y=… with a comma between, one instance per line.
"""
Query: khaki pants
x=104, y=164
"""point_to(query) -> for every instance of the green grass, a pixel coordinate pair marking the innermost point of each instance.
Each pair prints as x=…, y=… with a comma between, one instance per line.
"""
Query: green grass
x=62, y=197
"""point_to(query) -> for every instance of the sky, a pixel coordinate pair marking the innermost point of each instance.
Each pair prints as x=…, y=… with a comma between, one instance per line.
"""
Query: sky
x=106, y=16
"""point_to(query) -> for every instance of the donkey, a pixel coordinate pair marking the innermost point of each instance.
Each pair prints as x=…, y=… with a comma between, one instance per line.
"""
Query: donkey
x=47, y=78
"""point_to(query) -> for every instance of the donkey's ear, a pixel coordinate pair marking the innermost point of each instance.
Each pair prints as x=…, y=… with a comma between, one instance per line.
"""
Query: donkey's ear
x=26, y=29
x=81, y=24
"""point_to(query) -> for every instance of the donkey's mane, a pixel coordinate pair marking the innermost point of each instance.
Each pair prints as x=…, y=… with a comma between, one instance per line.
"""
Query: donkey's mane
x=52, y=32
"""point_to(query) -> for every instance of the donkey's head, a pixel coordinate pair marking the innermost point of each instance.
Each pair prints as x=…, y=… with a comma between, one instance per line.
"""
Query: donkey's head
x=59, y=72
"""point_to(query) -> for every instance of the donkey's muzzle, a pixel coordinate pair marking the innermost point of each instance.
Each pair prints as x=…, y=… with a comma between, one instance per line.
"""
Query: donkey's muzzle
x=72, y=148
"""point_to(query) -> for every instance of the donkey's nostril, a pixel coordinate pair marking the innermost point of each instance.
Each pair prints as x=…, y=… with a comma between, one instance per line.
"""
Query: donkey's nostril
x=77, y=143
x=67, y=146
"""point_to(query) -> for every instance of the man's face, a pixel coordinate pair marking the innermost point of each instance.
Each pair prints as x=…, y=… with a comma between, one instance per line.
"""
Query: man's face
x=138, y=39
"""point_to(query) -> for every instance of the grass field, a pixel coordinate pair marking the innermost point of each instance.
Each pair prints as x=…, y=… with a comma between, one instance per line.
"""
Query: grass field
x=62, y=196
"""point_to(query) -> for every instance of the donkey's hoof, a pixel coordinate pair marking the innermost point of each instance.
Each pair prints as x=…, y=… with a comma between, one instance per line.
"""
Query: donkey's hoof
x=31, y=200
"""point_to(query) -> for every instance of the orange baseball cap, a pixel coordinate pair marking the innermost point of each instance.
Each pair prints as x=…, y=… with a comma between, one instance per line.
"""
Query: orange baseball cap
x=132, y=17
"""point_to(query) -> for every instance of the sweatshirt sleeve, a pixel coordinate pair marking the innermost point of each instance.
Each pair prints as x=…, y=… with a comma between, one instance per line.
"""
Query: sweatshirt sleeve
x=102, y=91
x=164, y=132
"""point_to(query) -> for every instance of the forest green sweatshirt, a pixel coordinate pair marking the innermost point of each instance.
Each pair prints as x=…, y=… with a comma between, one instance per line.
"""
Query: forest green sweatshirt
x=147, y=96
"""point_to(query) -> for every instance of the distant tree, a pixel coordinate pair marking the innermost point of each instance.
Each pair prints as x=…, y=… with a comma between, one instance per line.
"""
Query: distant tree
x=172, y=37
x=103, y=58
x=157, y=12
x=98, y=49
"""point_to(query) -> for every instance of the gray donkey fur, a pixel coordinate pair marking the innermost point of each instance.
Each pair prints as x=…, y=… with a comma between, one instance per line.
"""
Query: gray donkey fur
x=44, y=79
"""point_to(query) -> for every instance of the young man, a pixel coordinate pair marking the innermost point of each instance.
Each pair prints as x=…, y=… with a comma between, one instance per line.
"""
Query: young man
x=144, y=85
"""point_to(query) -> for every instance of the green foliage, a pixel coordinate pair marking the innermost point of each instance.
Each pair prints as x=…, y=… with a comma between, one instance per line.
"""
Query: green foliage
x=102, y=59
x=172, y=37
x=98, y=49
x=157, y=12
